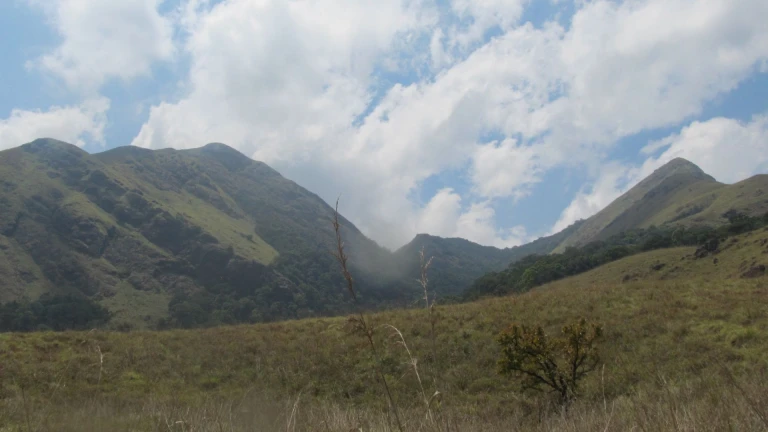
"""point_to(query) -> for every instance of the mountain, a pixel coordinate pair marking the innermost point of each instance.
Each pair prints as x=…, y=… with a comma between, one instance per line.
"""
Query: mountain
x=458, y=262
x=173, y=237
x=677, y=205
x=678, y=193
x=207, y=236
x=535, y=270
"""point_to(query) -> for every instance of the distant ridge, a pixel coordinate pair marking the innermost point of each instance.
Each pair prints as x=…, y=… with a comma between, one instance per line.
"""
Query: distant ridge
x=458, y=262
x=677, y=193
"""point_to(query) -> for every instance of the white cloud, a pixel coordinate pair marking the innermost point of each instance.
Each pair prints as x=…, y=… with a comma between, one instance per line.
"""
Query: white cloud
x=498, y=167
x=483, y=15
x=287, y=83
x=478, y=224
x=104, y=39
x=439, y=216
x=280, y=73
x=443, y=216
x=625, y=77
x=70, y=123
x=438, y=54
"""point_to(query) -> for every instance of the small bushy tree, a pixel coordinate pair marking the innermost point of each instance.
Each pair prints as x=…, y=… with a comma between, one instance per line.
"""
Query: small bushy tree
x=556, y=364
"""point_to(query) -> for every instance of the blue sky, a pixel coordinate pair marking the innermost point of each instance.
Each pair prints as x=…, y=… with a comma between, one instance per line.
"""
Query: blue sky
x=497, y=121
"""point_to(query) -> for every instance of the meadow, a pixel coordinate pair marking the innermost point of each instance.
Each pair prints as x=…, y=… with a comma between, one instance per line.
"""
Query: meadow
x=685, y=347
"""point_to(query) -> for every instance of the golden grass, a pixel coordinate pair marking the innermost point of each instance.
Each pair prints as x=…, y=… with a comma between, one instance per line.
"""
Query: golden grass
x=708, y=404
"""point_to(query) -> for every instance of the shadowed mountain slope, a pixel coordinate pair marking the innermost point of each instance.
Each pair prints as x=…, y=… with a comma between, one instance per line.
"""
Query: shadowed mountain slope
x=205, y=235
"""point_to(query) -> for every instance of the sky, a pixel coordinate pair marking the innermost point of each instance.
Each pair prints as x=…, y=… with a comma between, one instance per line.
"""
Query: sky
x=498, y=121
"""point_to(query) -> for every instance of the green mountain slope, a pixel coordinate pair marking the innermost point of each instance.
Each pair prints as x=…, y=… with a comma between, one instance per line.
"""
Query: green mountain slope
x=678, y=193
x=207, y=235
x=536, y=270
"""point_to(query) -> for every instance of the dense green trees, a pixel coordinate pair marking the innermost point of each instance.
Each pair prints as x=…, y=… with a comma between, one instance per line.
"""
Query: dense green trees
x=299, y=284
x=535, y=270
x=52, y=312
x=307, y=283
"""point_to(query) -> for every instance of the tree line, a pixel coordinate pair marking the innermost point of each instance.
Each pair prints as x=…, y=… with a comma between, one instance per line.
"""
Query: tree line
x=534, y=270
x=221, y=304
x=52, y=312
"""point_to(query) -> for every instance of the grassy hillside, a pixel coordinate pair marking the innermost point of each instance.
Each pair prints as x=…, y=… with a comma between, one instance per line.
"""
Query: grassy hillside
x=749, y=196
x=672, y=323
x=678, y=193
x=208, y=236
x=180, y=238
x=535, y=270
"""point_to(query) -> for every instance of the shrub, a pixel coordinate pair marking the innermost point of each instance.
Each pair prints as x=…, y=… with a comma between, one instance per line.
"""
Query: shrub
x=556, y=364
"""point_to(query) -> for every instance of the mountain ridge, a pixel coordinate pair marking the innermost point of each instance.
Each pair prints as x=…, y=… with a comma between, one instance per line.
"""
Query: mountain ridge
x=212, y=234
x=679, y=192
x=209, y=236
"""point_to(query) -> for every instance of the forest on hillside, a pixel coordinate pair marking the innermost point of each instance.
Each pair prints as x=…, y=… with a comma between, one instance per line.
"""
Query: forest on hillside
x=223, y=304
x=536, y=270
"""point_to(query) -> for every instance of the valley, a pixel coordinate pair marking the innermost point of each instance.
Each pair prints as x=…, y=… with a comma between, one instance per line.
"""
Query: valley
x=206, y=237
x=673, y=324
x=196, y=290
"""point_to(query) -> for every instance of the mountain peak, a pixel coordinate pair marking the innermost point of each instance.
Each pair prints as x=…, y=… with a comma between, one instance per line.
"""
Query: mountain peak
x=50, y=144
x=226, y=155
x=679, y=165
x=653, y=201
x=217, y=146
x=674, y=168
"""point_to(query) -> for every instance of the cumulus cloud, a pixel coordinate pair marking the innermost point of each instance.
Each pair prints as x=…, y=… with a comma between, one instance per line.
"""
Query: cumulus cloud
x=299, y=85
x=624, y=78
x=443, y=216
x=68, y=123
x=480, y=17
x=498, y=167
x=104, y=39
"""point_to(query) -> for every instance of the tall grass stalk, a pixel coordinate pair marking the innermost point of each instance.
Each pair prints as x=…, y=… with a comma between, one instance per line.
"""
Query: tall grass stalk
x=430, y=305
x=360, y=319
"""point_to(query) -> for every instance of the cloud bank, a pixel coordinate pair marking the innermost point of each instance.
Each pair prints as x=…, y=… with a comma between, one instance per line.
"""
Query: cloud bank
x=371, y=100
